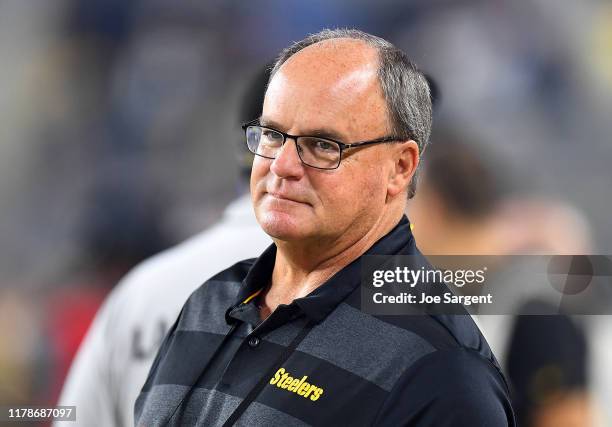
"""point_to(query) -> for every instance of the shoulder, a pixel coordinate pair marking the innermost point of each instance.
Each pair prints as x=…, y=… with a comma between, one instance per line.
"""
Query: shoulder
x=449, y=366
x=460, y=372
x=162, y=283
x=228, y=280
x=440, y=331
x=182, y=268
x=205, y=308
x=154, y=290
x=450, y=337
x=449, y=387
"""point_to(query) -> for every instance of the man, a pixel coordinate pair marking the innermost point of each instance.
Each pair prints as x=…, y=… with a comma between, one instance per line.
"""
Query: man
x=281, y=340
x=116, y=355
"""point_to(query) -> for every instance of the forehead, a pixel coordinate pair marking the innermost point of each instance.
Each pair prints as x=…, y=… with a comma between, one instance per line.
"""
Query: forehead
x=334, y=80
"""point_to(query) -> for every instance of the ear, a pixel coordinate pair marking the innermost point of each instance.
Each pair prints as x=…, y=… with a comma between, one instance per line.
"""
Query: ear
x=405, y=162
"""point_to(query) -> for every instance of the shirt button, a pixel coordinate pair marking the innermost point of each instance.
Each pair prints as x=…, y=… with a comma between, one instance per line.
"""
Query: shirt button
x=254, y=341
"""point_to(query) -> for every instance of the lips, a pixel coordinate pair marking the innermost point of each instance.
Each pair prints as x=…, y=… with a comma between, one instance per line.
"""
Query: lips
x=282, y=196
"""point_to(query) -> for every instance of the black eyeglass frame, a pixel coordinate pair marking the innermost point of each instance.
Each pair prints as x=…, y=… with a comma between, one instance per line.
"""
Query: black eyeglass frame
x=342, y=145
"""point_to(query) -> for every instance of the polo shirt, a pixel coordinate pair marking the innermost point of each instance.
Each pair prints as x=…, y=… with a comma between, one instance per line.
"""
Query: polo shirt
x=320, y=360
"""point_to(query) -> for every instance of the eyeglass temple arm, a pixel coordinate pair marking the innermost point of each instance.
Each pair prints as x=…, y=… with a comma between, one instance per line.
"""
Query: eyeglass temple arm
x=374, y=141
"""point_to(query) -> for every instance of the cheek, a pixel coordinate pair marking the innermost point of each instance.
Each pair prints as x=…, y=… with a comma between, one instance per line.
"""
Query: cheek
x=258, y=173
x=352, y=193
x=369, y=180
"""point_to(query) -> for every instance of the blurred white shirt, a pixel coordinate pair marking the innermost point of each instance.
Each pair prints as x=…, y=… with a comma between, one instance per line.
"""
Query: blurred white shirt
x=114, y=359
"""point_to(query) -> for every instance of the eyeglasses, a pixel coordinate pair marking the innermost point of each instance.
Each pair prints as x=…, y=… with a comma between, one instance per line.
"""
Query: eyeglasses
x=313, y=151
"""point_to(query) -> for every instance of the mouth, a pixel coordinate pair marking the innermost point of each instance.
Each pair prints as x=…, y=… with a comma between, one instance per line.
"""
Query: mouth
x=284, y=197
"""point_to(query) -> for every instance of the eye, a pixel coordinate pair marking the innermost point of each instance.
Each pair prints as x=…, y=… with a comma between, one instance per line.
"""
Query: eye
x=323, y=145
x=271, y=135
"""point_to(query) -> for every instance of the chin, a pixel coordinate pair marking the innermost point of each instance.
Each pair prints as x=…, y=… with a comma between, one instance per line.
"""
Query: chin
x=282, y=226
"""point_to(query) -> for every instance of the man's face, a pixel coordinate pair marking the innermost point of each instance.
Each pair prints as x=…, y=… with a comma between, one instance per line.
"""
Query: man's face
x=328, y=89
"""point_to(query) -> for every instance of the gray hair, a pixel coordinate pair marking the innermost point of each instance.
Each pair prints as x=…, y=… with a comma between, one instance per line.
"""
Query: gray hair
x=404, y=86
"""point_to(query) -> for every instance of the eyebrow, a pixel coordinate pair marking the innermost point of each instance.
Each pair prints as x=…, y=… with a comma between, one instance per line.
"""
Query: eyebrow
x=321, y=132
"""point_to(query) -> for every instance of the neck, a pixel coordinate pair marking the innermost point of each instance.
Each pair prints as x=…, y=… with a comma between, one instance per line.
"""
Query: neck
x=300, y=268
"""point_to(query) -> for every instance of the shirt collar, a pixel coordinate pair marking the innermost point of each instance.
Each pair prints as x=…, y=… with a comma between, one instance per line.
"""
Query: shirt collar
x=322, y=301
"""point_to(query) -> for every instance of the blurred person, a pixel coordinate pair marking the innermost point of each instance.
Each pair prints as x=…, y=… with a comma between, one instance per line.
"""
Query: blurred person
x=548, y=366
x=245, y=338
x=116, y=355
x=460, y=191
x=120, y=230
x=470, y=203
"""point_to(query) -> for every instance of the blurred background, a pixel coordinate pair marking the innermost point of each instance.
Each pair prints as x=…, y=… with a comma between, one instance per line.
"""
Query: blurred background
x=120, y=134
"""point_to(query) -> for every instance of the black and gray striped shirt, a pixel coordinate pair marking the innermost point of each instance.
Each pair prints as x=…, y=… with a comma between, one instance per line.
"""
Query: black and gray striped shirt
x=320, y=360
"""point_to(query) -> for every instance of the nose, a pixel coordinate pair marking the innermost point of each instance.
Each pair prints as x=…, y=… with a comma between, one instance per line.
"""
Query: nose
x=287, y=163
